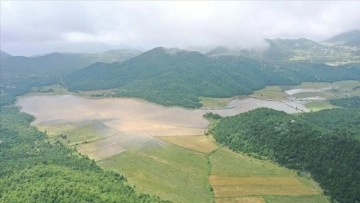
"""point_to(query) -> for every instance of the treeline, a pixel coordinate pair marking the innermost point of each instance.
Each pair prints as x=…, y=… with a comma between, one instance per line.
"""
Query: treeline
x=181, y=78
x=35, y=168
x=315, y=143
x=350, y=102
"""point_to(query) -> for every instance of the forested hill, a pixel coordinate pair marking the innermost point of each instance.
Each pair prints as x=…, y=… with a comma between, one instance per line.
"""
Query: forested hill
x=179, y=77
x=57, y=64
x=326, y=144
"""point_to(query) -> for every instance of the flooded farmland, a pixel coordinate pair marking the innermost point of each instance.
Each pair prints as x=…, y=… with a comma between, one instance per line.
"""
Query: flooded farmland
x=122, y=123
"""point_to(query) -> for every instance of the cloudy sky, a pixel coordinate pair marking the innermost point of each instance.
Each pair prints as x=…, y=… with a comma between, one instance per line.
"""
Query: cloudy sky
x=38, y=27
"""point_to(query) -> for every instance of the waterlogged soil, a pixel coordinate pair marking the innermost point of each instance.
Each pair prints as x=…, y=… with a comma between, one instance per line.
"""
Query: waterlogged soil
x=129, y=122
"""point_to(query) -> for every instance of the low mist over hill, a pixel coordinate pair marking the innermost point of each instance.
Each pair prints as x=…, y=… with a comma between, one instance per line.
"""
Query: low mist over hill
x=350, y=38
x=4, y=55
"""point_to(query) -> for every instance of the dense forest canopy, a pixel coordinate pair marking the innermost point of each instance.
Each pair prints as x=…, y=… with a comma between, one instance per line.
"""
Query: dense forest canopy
x=325, y=144
x=351, y=102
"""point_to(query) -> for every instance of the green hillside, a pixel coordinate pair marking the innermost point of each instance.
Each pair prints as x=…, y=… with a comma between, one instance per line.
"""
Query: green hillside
x=317, y=143
x=178, y=77
x=20, y=74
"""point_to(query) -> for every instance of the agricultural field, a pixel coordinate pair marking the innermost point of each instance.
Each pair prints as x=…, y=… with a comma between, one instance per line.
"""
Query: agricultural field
x=74, y=133
x=311, y=85
x=314, y=95
x=318, y=105
x=209, y=102
x=227, y=163
x=201, y=143
x=172, y=172
x=240, y=200
x=51, y=89
x=270, y=92
x=326, y=90
x=236, y=177
x=297, y=199
x=178, y=167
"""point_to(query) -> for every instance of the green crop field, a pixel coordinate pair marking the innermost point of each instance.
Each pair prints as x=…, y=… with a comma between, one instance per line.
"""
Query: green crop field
x=172, y=172
x=194, y=169
x=227, y=163
x=312, y=85
x=201, y=143
x=239, y=178
x=209, y=102
x=296, y=199
x=74, y=133
x=270, y=92
x=318, y=105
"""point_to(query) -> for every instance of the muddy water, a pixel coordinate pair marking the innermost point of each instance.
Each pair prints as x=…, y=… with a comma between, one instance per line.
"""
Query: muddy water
x=134, y=121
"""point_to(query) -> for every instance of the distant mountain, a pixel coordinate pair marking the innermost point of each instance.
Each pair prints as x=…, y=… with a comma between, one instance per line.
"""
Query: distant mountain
x=221, y=51
x=179, y=77
x=118, y=55
x=61, y=63
x=350, y=38
x=307, y=50
x=4, y=55
x=293, y=50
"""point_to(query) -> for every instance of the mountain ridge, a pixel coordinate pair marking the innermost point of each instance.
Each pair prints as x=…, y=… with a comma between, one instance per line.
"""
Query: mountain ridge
x=349, y=38
x=179, y=77
x=4, y=54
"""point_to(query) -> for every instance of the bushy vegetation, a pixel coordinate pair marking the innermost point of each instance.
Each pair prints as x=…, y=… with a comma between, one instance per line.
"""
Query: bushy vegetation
x=350, y=102
x=181, y=78
x=343, y=122
x=302, y=143
x=211, y=116
x=35, y=168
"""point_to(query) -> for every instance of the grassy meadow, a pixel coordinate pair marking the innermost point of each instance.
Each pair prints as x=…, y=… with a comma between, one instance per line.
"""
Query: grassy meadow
x=209, y=102
x=270, y=92
x=167, y=170
x=239, y=178
x=318, y=105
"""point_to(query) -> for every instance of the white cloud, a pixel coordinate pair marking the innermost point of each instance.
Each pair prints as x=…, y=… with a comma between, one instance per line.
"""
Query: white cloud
x=44, y=26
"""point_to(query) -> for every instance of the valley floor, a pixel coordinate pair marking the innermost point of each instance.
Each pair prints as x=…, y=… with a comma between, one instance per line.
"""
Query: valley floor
x=155, y=147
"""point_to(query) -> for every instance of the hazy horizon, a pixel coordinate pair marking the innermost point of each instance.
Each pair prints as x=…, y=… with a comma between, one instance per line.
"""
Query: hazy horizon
x=40, y=27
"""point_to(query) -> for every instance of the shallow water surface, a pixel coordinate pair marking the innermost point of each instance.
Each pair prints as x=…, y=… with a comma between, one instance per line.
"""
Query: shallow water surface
x=133, y=122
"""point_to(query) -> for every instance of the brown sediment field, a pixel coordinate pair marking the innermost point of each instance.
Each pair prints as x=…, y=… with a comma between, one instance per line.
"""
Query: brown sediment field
x=130, y=121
